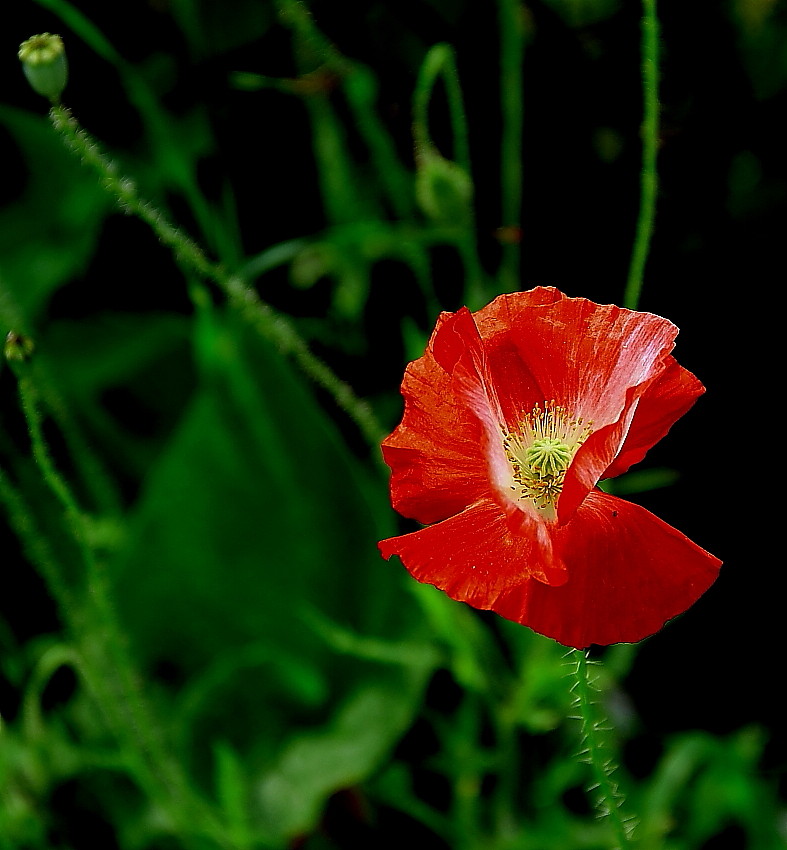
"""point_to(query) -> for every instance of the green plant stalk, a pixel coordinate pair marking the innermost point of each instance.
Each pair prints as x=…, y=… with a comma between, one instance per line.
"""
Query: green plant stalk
x=608, y=799
x=192, y=259
x=157, y=122
x=295, y=15
x=35, y=546
x=440, y=64
x=512, y=48
x=107, y=667
x=466, y=775
x=93, y=473
x=650, y=143
x=337, y=175
x=360, y=91
x=339, y=181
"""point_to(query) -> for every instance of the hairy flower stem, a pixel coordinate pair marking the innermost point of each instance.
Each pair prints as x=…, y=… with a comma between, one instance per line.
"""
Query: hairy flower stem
x=192, y=259
x=650, y=142
x=106, y=667
x=608, y=798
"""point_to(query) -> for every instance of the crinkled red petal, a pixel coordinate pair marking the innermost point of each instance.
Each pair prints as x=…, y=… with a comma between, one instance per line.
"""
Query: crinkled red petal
x=664, y=401
x=597, y=361
x=475, y=556
x=609, y=358
x=628, y=574
x=435, y=454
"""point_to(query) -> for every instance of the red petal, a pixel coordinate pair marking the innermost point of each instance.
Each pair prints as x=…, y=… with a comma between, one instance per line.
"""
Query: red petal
x=474, y=557
x=467, y=458
x=661, y=405
x=628, y=573
x=584, y=355
x=435, y=453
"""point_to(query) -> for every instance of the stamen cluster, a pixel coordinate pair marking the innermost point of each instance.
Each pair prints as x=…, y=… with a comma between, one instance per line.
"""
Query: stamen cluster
x=540, y=451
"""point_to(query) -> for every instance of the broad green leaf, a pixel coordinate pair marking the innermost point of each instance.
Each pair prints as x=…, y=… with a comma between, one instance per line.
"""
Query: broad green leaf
x=327, y=759
x=255, y=517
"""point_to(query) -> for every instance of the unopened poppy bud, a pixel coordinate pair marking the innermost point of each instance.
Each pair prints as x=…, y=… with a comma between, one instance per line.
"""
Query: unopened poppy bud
x=17, y=347
x=443, y=189
x=44, y=62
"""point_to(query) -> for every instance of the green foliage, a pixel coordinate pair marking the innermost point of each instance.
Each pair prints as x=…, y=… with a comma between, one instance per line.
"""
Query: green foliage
x=49, y=232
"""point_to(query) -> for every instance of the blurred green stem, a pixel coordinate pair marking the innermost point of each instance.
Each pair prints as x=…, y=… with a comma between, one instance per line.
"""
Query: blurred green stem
x=106, y=663
x=190, y=256
x=512, y=48
x=35, y=545
x=650, y=142
x=158, y=123
x=440, y=64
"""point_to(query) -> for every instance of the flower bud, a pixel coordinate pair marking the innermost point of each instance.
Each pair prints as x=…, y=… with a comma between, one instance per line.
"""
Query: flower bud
x=17, y=347
x=443, y=189
x=43, y=60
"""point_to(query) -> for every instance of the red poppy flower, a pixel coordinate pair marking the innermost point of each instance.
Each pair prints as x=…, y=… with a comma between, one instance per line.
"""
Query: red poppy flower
x=512, y=417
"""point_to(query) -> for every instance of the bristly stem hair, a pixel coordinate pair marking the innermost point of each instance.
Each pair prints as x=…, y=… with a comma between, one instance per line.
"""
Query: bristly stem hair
x=608, y=798
x=650, y=143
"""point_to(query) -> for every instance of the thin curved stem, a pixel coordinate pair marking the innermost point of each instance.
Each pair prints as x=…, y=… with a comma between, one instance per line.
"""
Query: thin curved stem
x=440, y=64
x=650, y=142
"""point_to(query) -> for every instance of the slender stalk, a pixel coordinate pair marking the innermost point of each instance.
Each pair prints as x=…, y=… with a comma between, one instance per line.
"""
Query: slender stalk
x=608, y=798
x=157, y=122
x=35, y=545
x=512, y=48
x=190, y=256
x=107, y=669
x=440, y=64
x=650, y=141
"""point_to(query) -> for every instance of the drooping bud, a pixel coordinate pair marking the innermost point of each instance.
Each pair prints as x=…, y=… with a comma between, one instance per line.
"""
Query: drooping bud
x=44, y=62
x=17, y=347
x=443, y=189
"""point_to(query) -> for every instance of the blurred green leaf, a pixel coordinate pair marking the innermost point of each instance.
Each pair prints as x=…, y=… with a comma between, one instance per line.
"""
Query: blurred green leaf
x=640, y=481
x=47, y=235
x=255, y=515
x=762, y=38
x=211, y=31
x=334, y=756
x=704, y=783
x=582, y=13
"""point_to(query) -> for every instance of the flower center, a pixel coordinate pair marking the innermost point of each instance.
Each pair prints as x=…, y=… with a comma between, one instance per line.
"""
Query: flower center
x=540, y=451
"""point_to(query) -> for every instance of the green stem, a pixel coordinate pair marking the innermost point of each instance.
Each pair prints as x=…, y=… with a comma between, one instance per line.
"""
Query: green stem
x=440, y=64
x=158, y=123
x=608, y=798
x=512, y=48
x=190, y=256
x=108, y=669
x=35, y=545
x=650, y=141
